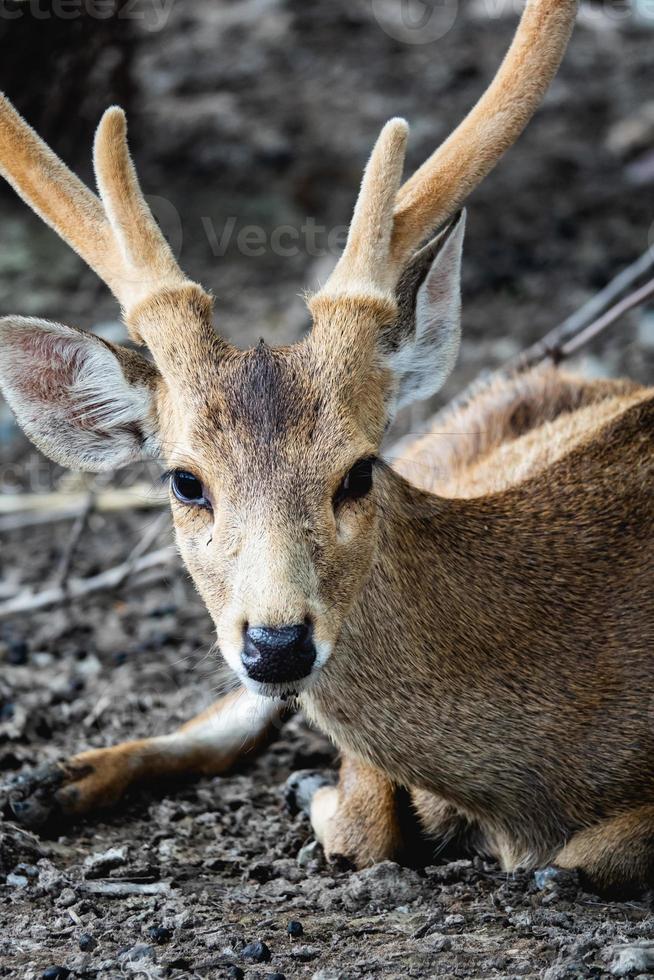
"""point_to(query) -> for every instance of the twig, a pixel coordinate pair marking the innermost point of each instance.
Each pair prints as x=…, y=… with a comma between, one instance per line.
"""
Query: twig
x=553, y=342
x=23, y=510
x=634, y=299
x=66, y=562
x=111, y=578
x=122, y=889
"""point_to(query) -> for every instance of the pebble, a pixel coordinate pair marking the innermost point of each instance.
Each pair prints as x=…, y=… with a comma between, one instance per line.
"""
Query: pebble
x=17, y=653
x=160, y=934
x=98, y=864
x=305, y=953
x=86, y=942
x=275, y=976
x=66, y=898
x=636, y=958
x=55, y=973
x=295, y=929
x=235, y=973
x=16, y=881
x=141, y=951
x=385, y=885
x=257, y=952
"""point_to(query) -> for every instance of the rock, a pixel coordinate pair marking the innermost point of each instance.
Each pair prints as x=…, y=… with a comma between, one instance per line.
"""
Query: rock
x=66, y=898
x=97, y=865
x=55, y=973
x=305, y=953
x=256, y=952
x=141, y=951
x=16, y=881
x=632, y=959
x=86, y=942
x=385, y=885
x=454, y=921
x=295, y=929
x=160, y=934
x=17, y=845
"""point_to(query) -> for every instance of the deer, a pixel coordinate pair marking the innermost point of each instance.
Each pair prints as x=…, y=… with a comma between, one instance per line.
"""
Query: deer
x=472, y=624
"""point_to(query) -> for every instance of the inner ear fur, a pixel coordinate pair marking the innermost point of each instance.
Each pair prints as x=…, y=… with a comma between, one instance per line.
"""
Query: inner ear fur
x=402, y=330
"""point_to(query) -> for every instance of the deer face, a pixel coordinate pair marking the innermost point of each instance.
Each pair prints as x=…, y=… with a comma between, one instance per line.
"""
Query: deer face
x=273, y=503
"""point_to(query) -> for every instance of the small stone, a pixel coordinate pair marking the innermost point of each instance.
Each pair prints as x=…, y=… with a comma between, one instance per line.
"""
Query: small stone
x=160, y=934
x=275, y=976
x=305, y=953
x=632, y=959
x=16, y=881
x=66, y=898
x=235, y=973
x=385, y=885
x=295, y=929
x=97, y=865
x=17, y=653
x=454, y=921
x=86, y=942
x=141, y=951
x=257, y=952
x=55, y=973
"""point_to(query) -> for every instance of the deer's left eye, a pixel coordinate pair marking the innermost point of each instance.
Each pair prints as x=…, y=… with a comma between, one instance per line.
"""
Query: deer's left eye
x=187, y=488
x=356, y=483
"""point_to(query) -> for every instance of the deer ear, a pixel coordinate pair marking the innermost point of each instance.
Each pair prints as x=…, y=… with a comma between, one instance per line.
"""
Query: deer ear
x=83, y=402
x=421, y=345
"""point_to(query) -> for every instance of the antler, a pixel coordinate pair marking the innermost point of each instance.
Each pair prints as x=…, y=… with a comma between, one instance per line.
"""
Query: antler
x=440, y=185
x=115, y=234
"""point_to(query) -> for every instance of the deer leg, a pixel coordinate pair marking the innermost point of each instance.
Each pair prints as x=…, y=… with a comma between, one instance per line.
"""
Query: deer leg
x=357, y=819
x=209, y=744
x=615, y=855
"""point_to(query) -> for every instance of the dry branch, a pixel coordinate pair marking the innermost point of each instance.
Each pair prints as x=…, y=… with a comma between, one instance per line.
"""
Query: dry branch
x=156, y=563
x=24, y=510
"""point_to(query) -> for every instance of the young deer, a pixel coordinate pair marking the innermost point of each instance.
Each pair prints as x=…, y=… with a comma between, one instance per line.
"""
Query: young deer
x=474, y=624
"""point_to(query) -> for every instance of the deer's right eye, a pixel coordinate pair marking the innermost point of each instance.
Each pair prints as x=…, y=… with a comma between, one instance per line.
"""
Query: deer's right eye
x=187, y=488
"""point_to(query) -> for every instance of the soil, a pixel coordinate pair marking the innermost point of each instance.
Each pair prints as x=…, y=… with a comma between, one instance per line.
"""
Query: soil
x=267, y=110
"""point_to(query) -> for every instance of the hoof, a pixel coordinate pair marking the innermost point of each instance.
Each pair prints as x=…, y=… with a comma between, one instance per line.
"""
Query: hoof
x=564, y=882
x=302, y=785
x=32, y=796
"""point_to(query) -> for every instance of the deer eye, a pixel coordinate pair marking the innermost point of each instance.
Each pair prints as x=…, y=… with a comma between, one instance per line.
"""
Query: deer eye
x=356, y=483
x=187, y=488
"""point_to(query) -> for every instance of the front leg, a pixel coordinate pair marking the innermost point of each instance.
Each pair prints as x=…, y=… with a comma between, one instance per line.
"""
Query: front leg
x=210, y=744
x=358, y=819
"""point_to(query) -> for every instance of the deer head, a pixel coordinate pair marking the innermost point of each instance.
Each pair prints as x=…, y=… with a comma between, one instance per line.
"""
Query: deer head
x=271, y=453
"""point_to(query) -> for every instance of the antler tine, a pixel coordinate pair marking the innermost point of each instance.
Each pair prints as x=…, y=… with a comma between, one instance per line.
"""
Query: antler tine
x=52, y=190
x=363, y=266
x=149, y=264
x=117, y=236
x=440, y=185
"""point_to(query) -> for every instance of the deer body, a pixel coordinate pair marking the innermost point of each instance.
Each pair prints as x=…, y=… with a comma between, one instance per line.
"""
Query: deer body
x=474, y=624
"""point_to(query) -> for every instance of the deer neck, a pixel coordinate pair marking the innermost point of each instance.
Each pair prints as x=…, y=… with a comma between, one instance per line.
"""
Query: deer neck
x=416, y=634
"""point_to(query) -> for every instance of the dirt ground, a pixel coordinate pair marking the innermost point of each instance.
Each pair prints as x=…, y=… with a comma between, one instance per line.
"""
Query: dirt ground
x=179, y=881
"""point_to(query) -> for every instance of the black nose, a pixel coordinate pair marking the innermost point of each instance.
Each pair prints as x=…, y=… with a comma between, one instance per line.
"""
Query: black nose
x=276, y=656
